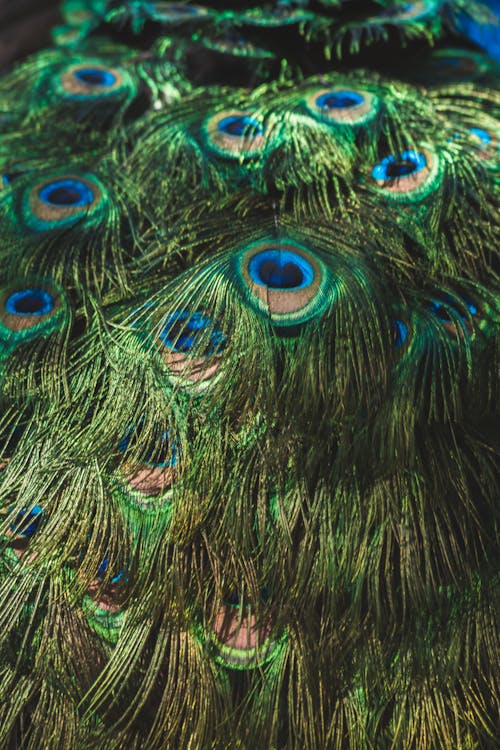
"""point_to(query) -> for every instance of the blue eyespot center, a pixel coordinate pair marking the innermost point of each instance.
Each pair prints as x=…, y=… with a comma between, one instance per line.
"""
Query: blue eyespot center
x=35, y=301
x=240, y=125
x=401, y=165
x=103, y=567
x=27, y=522
x=280, y=269
x=183, y=331
x=95, y=77
x=71, y=193
x=339, y=100
x=483, y=135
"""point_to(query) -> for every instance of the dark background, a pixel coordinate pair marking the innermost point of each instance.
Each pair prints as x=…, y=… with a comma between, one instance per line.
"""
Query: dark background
x=24, y=27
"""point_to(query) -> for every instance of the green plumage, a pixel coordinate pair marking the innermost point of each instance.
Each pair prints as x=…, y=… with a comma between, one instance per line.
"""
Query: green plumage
x=248, y=379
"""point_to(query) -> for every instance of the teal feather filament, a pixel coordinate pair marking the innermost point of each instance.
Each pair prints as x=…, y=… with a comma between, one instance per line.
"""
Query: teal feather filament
x=416, y=11
x=273, y=18
x=175, y=12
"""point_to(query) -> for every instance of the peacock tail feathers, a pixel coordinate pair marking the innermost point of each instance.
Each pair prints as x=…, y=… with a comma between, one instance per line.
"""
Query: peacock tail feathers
x=248, y=378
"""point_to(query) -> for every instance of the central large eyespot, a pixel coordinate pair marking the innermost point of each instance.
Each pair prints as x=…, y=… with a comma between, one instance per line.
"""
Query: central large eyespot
x=284, y=280
x=66, y=192
x=281, y=269
x=96, y=77
x=35, y=301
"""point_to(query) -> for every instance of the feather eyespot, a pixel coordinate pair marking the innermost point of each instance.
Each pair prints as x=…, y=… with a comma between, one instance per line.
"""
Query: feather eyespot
x=27, y=522
x=28, y=312
x=239, y=639
x=342, y=106
x=90, y=80
x=60, y=201
x=103, y=605
x=154, y=450
x=454, y=314
x=235, y=134
x=23, y=528
x=192, y=344
x=408, y=175
x=487, y=142
x=145, y=485
x=284, y=280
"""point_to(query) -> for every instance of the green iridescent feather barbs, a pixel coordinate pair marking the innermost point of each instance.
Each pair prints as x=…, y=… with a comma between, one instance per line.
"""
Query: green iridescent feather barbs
x=248, y=376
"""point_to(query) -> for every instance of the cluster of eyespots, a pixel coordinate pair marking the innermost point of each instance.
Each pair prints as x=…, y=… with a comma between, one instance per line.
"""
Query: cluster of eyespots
x=235, y=134
x=342, y=106
x=283, y=280
x=409, y=175
x=61, y=201
x=29, y=312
